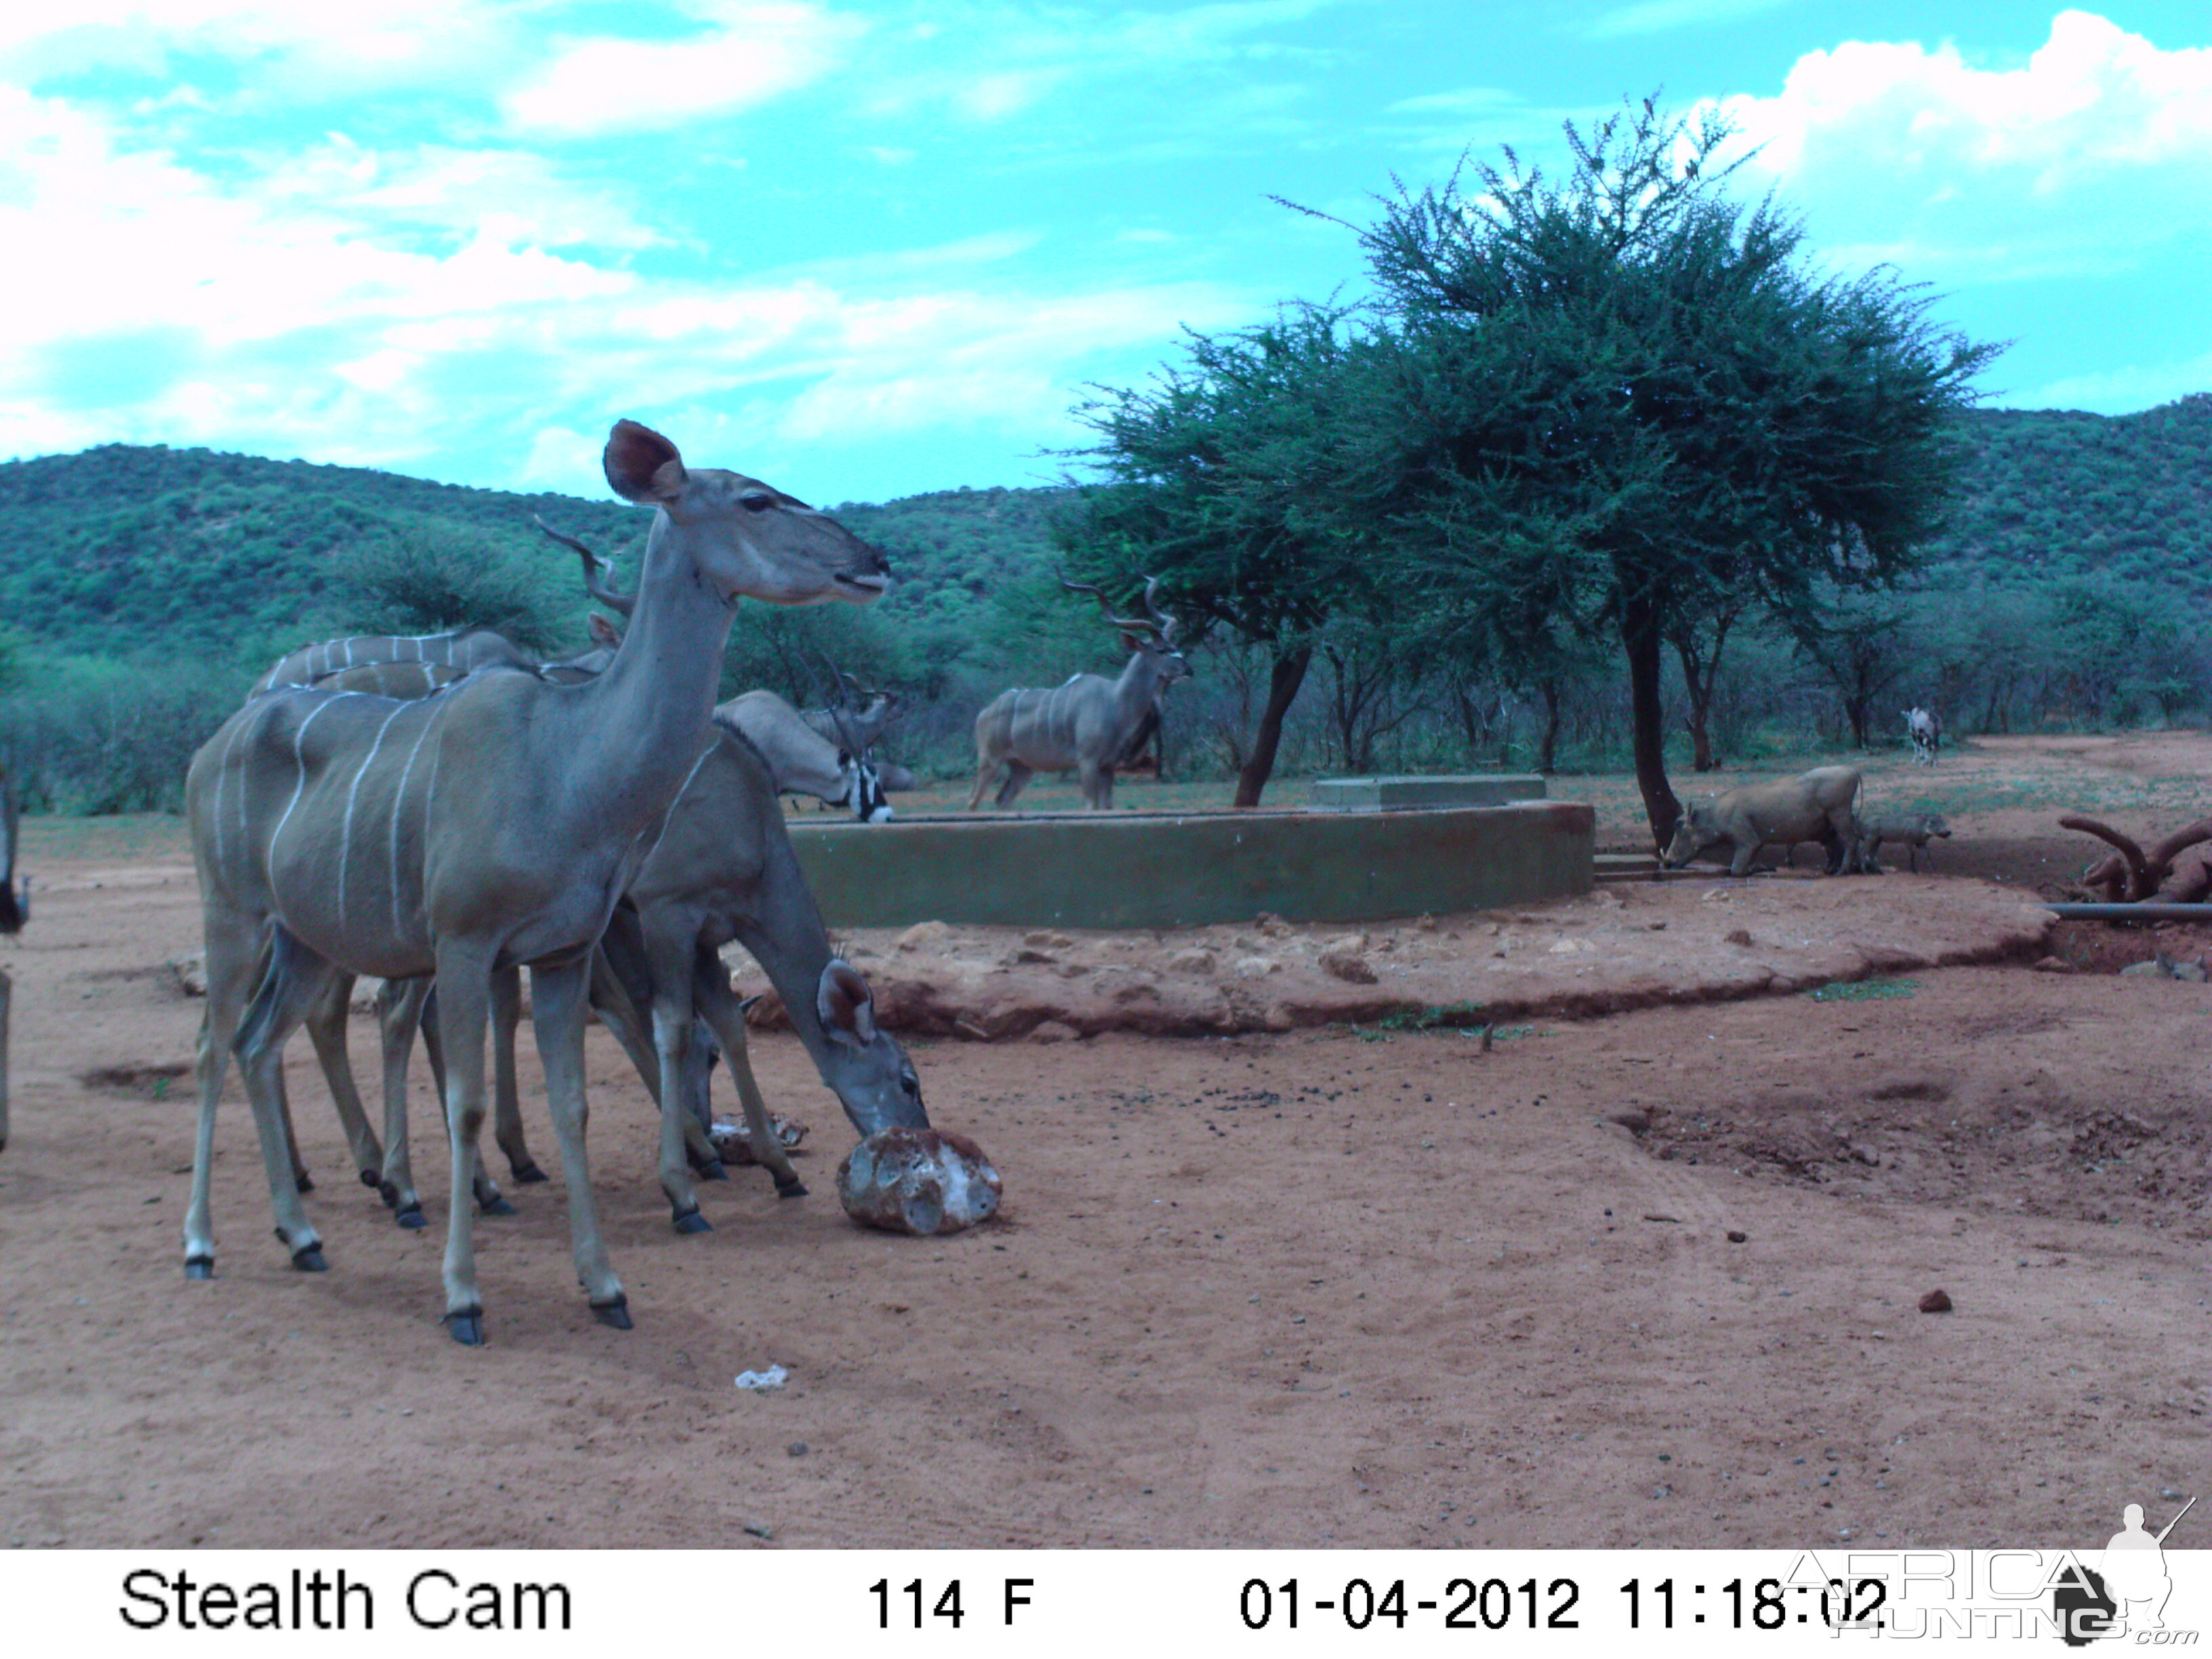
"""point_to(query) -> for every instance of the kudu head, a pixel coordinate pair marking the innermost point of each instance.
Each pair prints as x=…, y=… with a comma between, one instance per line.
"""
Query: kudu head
x=742, y=535
x=864, y=1064
x=1151, y=636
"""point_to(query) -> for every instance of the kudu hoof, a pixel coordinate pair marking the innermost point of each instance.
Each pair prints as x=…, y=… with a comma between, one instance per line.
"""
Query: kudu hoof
x=412, y=1218
x=792, y=1189
x=308, y=1259
x=467, y=1327
x=199, y=1267
x=389, y=1194
x=306, y=1182
x=692, y=1222
x=711, y=1170
x=527, y=1174
x=614, y=1314
x=370, y=1178
x=494, y=1205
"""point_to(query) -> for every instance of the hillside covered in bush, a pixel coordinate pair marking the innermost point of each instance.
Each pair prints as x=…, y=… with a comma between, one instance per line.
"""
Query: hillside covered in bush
x=144, y=588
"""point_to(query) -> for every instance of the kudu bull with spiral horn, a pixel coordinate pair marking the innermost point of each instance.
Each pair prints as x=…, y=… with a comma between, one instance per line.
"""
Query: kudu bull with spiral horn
x=1089, y=722
x=498, y=821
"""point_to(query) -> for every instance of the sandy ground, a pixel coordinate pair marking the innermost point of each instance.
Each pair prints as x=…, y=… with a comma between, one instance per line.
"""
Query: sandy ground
x=1645, y=1277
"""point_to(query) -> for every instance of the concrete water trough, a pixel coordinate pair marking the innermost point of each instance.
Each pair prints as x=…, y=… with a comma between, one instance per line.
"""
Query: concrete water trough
x=1401, y=795
x=1190, y=869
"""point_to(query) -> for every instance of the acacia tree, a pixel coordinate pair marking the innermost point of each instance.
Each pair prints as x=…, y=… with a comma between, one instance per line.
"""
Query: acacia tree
x=1245, y=480
x=1623, y=397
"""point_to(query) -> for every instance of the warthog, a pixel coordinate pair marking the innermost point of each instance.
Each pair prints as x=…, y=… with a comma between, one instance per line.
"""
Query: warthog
x=1913, y=829
x=1816, y=806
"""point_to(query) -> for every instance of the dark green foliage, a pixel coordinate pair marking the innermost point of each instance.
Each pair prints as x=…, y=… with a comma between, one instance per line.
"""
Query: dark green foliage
x=413, y=581
x=1629, y=403
x=1256, y=482
x=2051, y=494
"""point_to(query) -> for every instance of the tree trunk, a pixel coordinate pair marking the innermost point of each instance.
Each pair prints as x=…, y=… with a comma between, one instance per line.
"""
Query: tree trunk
x=1640, y=635
x=1283, y=680
x=1547, y=755
x=1696, y=718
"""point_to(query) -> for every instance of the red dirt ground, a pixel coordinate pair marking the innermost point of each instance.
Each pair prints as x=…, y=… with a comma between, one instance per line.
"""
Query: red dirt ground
x=1335, y=1284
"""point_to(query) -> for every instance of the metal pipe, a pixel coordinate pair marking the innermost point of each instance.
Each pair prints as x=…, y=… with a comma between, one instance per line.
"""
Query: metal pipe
x=2149, y=911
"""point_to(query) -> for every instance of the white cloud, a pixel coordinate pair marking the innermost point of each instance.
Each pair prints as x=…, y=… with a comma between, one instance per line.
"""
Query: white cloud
x=1655, y=16
x=604, y=84
x=405, y=308
x=2098, y=147
x=301, y=51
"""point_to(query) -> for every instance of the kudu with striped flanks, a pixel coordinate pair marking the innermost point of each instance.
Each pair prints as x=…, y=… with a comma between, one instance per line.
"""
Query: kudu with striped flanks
x=1089, y=722
x=622, y=988
x=497, y=821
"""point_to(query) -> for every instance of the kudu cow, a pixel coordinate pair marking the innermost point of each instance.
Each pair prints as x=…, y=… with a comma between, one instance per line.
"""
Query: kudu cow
x=688, y=872
x=497, y=821
x=1090, y=723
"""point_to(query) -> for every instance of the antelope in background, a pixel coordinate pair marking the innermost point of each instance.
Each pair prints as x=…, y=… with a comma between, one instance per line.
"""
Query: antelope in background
x=321, y=833
x=1090, y=723
x=1926, y=733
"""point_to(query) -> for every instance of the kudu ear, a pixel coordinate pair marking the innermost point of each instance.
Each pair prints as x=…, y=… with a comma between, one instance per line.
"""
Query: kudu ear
x=641, y=464
x=845, y=1002
x=603, y=632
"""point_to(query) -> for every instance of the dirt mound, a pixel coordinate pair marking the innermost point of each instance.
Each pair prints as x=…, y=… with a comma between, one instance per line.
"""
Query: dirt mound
x=1632, y=945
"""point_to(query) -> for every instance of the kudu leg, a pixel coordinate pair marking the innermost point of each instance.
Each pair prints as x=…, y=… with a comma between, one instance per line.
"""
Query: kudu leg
x=618, y=1013
x=670, y=960
x=986, y=770
x=326, y=1030
x=723, y=1011
x=1018, y=777
x=233, y=953
x=507, y=1093
x=296, y=978
x=488, y=1197
x=398, y=1015
x=558, y=998
x=464, y=996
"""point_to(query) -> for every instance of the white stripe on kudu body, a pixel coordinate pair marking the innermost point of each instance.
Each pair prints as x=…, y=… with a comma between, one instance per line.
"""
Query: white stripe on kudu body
x=523, y=866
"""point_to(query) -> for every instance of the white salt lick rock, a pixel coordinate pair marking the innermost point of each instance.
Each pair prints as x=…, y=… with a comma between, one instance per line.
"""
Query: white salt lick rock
x=925, y=1182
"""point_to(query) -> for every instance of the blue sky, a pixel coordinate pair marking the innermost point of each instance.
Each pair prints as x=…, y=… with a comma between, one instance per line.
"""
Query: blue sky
x=866, y=249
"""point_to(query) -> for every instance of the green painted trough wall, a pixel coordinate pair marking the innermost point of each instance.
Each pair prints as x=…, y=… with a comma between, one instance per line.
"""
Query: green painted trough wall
x=1186, y=870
